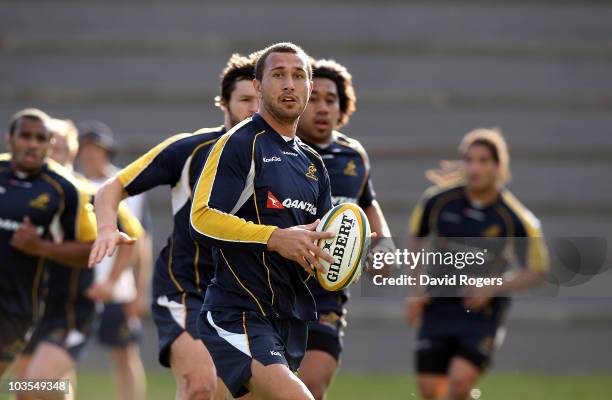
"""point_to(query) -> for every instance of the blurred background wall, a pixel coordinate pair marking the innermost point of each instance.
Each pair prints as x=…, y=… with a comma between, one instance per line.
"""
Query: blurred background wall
x=425, y=72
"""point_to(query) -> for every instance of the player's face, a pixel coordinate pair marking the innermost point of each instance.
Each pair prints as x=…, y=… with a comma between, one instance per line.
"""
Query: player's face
x=322, y=113
x=29, y=145
x=93, y=160
x=480, y=168
x=243, y=102
x=285, y=86
x=59, y=150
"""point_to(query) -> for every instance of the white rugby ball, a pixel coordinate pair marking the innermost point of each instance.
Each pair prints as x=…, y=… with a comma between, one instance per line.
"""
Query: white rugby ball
x=350, y=225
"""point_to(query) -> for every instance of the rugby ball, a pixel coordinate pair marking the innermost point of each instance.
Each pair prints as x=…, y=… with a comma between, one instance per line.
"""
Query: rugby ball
x=349, y=247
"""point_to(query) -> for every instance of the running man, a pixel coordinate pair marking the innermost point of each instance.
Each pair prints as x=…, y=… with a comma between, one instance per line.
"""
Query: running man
x=330, y=106
x=458, y=335
x=45, y=215
x=62, y=332
x=258, y=201
x=184, y=268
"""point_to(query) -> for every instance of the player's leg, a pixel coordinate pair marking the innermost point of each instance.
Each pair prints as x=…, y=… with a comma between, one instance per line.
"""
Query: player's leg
x=122, y=334
x=193, y=369
x=50, y=362
x=180, y=349
x=276, y=382
x=473, y=355
x=432, y=386
x=129, y=372
x=12, y=338
x=462, y=376
x=20, y=366
x=322, y=356
x=433, y=355
x=254, y=354
x=317, y=371
x=4, y=366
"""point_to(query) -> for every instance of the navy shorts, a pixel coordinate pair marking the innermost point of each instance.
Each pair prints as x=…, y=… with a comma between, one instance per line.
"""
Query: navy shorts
x=325, y=334
x=13, y=332
x=70, y=331
x=115, y=329
x=174, y=314
x=235, y=338
x=443, y=335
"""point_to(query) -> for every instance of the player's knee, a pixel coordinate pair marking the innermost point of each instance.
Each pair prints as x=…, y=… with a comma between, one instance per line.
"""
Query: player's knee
x=430, y=391
x=459, y=390
x=317, y=387
x=200, y=387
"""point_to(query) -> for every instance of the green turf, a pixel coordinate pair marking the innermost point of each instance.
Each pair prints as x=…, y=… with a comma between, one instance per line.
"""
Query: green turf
x=522, y=386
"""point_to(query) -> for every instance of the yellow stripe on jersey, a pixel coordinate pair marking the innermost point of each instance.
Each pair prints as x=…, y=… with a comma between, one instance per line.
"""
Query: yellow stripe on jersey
x=129, y=173
x=416, y=219
x=208, y=130
x=85, y=229
x=129, y=223
x=537, y=253
x=217, y=224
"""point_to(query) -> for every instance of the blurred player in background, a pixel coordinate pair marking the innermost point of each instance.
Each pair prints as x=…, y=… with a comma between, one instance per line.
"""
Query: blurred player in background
x=63, y=330
x=330, y=106
x=255, y=313
x=184, y=268
x=458, y=335
x=119, y=325
x=45, y=215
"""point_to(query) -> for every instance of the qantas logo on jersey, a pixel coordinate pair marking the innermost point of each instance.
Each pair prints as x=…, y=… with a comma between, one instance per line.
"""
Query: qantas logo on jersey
x=273, y=202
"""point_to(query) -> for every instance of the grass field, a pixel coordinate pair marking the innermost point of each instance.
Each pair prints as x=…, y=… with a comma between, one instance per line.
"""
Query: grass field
x=369, y=387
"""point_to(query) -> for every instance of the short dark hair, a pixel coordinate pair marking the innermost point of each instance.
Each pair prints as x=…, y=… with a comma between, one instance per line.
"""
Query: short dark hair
x=284, y=47
x=338, y=74
x=238, y=68
x=29, y=113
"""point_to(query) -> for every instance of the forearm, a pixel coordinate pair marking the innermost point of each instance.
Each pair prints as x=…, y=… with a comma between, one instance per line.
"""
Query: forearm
x=377, y=220
x=221, y=229
x=143, y=265
x=74, y=254
x=125, y=255
x=107, y=202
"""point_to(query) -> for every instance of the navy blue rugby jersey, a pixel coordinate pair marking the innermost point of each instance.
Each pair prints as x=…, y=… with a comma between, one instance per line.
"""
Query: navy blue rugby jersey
x=447, y=213
x=349, y=172
x=254, y=181
x=58, y=206
x=183, y=265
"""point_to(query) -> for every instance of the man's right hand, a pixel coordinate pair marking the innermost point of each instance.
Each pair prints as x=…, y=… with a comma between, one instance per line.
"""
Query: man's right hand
x=106, y=243
x=298, y=244
x=101, y=292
